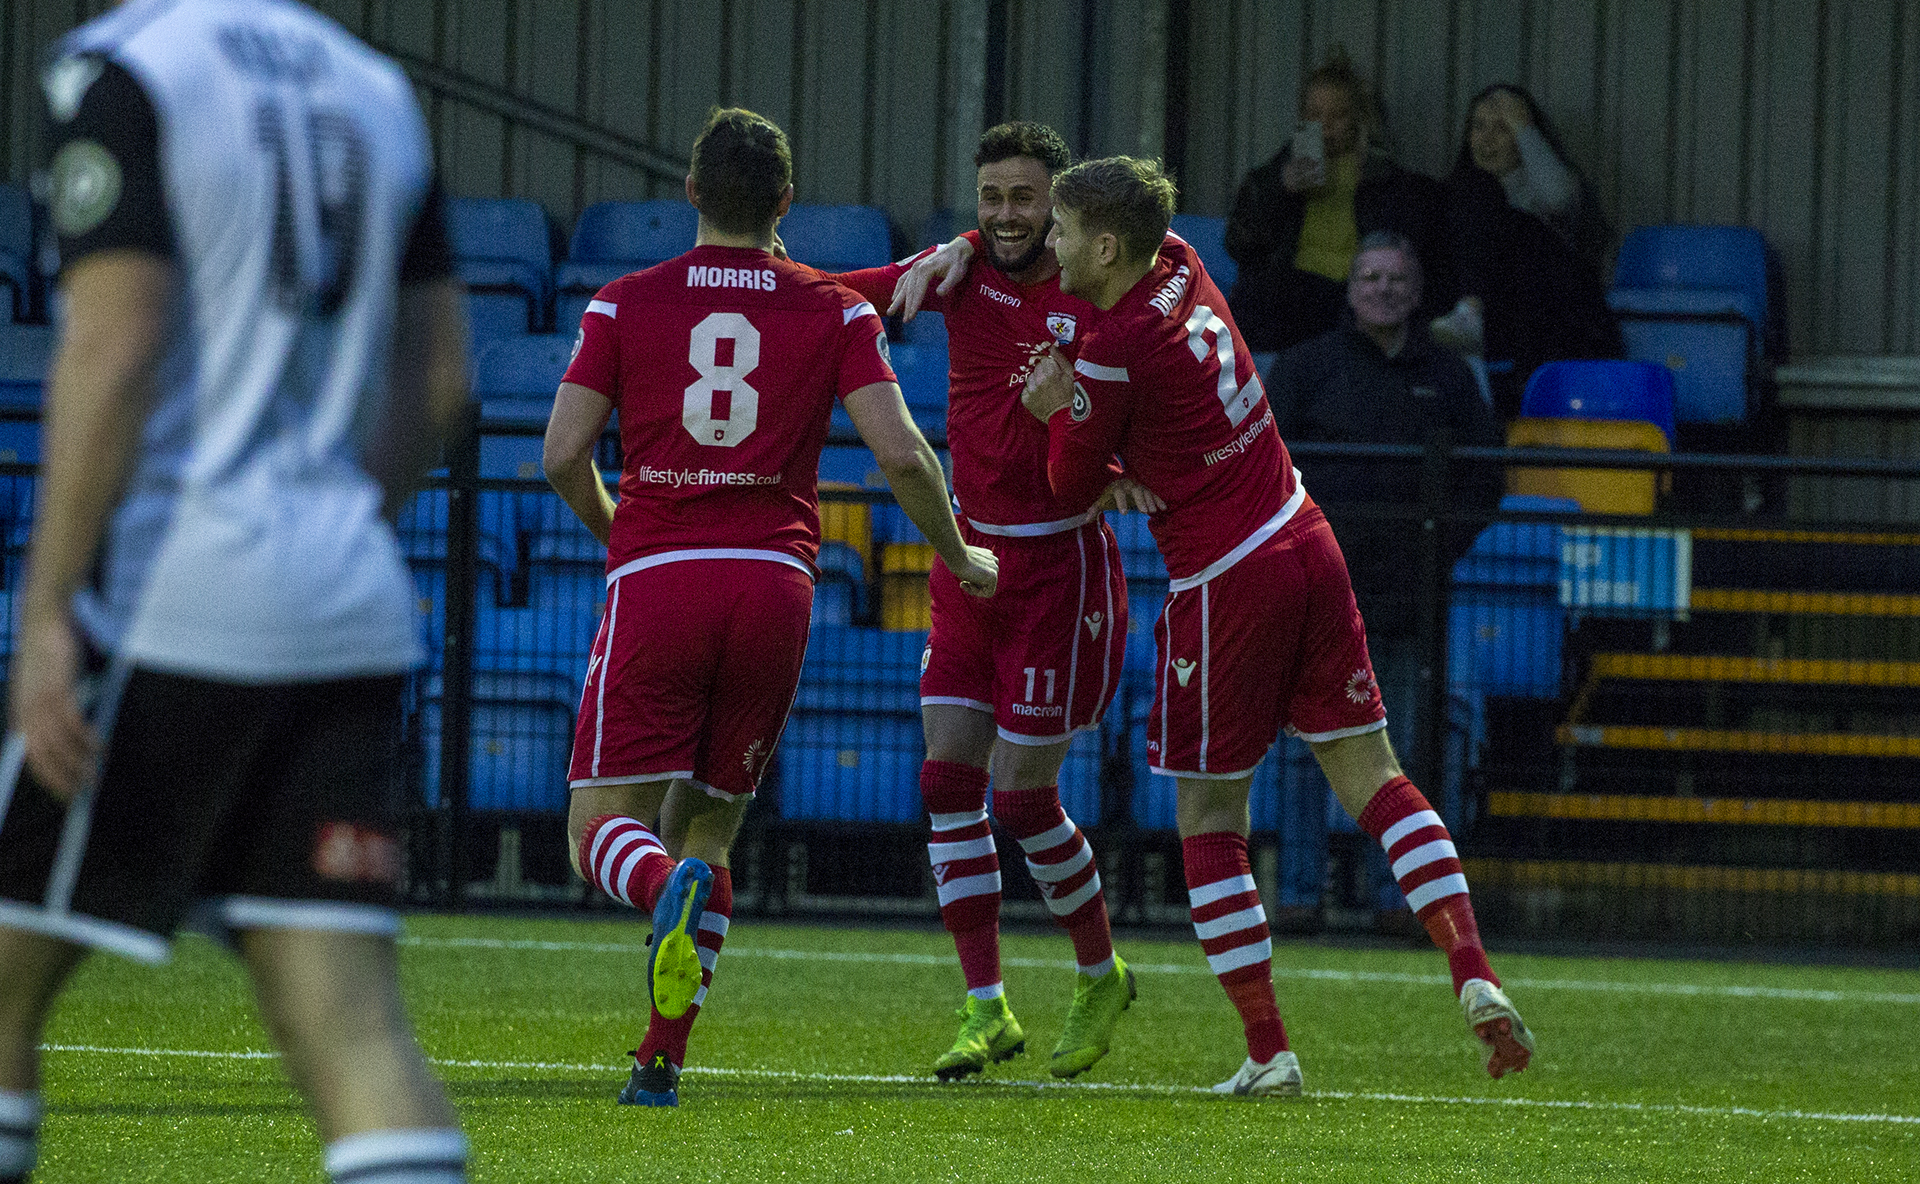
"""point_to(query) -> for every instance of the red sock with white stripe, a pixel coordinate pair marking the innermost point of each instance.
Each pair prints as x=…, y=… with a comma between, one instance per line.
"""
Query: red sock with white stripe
x=625, y=860
x=671, y=1035
x=1232, y=928
x=1062, y=864
x=1427, y=868
x=966, y=869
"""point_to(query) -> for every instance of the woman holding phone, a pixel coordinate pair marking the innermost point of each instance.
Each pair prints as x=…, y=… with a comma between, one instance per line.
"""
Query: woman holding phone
x=1298, y=218
x=1528, y=239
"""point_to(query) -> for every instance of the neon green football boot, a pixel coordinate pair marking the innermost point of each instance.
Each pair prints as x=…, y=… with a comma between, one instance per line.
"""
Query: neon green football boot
x=988, y=1033
x=1097, y=1004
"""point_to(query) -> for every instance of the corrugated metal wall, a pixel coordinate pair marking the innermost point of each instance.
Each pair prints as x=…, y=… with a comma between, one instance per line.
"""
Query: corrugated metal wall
x=1796, y=116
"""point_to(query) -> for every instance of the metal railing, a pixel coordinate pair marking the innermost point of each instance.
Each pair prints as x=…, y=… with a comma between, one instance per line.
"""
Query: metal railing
x=1692, y=723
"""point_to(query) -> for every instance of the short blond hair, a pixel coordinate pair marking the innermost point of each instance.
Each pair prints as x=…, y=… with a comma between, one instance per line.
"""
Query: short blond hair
x=1131, y=199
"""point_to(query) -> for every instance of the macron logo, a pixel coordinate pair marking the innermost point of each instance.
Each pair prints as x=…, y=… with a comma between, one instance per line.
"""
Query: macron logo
x=1002, y=297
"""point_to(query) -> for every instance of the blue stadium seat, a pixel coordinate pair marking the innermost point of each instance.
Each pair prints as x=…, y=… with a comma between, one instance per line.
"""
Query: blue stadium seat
x=1080, y=778
x=1208, y=237
x=850, y=768
x=1505, y=624
x=861, y=670
x=514, y=379
x=526, y=367
x=840, y=594
x=837, y=238
x=1602, y=390
x=921, y=366
x=521, y=741
x=25, y=351
x=853, y=746
x=1695, y=300
x=941, y=226
x=16, y=246
x=502, y=254
x=613, y=238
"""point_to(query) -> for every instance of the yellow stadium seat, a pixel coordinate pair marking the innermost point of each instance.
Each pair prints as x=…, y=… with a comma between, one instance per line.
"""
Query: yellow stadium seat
x=847, y=522
x=1599, y=491
x=905, y=602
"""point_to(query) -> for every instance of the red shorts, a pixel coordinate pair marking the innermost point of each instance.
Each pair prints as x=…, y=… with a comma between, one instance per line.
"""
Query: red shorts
x=692, y=674
x=1044, y=654
x=1273, y=641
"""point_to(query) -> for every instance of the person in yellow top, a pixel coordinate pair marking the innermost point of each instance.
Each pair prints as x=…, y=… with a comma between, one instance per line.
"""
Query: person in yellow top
x=1298, y=218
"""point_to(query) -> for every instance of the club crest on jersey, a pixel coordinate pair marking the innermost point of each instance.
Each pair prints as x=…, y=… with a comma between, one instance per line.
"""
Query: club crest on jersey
x=1082, y=406
x=1183, y=669
x=880, y=343
x=1361, y=686
x=754, y=761
x=579, y=339
x=1094, y=621
x=1060, y=327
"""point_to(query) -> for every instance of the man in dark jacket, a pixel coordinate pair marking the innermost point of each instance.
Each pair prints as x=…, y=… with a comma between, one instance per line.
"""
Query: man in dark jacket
x=1378, y=379
x=1276, y=302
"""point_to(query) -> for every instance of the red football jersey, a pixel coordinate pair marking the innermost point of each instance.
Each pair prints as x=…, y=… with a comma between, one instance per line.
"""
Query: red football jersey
x=1164, y=380
x=996, y=331
x=724, y=365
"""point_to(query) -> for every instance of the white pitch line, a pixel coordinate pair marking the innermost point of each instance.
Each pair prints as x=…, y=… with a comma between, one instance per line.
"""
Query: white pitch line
x=1722, y=991
x=1111, y=1087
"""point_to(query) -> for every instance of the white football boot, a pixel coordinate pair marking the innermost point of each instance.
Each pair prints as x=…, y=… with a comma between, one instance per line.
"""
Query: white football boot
x=1495, y=1020
x=1279, y=1077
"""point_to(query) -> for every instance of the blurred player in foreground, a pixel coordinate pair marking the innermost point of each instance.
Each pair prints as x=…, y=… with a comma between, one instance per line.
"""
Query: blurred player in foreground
x=724, y=364
x=1260, y=629
x=262, y=342
x=1007, y=682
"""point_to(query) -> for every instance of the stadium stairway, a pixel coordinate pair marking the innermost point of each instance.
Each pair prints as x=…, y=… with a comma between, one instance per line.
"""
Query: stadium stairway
x=1750, y=767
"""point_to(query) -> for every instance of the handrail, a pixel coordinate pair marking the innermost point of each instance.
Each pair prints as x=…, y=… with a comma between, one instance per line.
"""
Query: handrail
x=544, y=119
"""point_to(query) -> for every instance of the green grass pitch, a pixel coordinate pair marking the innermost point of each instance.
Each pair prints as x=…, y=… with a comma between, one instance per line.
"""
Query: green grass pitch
x=810, y=1063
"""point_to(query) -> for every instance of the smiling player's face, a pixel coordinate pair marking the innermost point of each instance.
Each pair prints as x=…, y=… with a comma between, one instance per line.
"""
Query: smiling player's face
x=1016, y=208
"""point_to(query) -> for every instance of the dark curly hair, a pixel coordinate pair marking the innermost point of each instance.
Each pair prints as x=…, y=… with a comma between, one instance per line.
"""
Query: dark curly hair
x=1020, y=138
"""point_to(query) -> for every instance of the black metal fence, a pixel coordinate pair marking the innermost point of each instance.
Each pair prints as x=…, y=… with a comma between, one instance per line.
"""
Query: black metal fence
x=1699, y=722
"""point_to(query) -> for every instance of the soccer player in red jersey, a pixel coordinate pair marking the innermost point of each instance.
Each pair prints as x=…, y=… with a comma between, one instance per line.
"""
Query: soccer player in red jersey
x=724, y=364
x=1007, y=682
x=1260, y=629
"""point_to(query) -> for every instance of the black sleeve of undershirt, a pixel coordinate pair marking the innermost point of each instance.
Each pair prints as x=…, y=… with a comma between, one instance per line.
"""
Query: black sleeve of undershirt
x=102, y=161
x=429, y=252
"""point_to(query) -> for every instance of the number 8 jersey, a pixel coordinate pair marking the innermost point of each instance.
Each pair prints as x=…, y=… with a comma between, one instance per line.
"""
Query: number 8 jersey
x=724, y=365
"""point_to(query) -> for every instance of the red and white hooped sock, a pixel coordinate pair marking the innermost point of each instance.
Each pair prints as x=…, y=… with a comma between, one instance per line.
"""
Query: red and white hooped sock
x=625, y=860
x=671, y=1035
x=966, y=869
x=1062, y=864
x=1232, y=927
x=1427, y=868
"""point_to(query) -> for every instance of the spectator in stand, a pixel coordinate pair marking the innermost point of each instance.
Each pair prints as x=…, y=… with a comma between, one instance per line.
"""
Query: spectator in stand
x=1298, y=218
x=1377, y=379
x=1527, y=237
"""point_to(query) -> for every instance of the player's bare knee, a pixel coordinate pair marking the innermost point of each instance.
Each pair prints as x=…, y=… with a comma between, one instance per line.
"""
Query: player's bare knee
x=1027, y=766
x=1357, y=766
x=959, y=735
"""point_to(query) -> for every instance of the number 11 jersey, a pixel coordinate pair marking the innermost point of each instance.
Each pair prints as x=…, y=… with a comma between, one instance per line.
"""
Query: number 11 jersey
x=724, y=365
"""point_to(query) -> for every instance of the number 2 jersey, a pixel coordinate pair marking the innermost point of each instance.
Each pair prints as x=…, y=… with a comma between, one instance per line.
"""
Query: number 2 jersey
x=724, y=365
x=1164, y=380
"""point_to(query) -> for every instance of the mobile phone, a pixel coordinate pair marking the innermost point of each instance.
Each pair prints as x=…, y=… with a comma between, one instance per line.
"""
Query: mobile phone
x=1309, y=143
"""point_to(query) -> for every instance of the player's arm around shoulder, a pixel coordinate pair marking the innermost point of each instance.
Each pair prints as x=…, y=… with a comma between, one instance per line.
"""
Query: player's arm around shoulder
x=879, y=414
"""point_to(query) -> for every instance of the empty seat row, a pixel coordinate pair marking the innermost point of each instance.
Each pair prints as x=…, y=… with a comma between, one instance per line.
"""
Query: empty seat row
x=502, y=251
